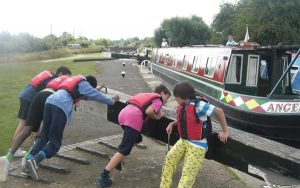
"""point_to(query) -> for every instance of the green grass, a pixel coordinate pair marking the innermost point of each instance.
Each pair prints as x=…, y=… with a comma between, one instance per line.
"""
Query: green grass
x=14, y=76
x=32, y=56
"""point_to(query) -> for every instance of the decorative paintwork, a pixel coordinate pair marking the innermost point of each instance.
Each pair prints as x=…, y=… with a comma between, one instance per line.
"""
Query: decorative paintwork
x=259, y=105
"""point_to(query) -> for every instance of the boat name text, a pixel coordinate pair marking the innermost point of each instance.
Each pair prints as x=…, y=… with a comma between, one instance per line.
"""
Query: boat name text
x=284, y=107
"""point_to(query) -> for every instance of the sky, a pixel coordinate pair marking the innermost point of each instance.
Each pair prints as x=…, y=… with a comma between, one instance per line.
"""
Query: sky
x=111, y=19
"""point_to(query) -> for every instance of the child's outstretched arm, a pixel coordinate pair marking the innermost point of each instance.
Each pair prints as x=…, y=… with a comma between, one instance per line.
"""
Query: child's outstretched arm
x=170, y=127
x=221, y=117
x=99, y=87
x=93, y=94
x=152, y=114
x=116, y=98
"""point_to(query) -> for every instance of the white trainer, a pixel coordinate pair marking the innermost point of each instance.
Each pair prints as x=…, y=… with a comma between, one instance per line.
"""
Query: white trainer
x=19, y=153
x=23, y=162
x=4, y=167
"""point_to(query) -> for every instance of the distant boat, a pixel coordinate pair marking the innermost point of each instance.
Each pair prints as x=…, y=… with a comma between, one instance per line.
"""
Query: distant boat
x=239, y=80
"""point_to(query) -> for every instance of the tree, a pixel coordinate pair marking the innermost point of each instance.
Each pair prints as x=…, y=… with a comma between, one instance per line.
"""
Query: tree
x=223, y=23
x=5, y=42
x=103, y=42
x=181, y=31
x=52, y=42
x=159, y=34
x=270, y=22
x=147, y=42
x=83, y=41
x=66, y=38
x=22, y=42
x=134, y=42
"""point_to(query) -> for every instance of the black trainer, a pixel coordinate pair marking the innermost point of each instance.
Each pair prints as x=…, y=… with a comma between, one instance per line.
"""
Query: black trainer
x=32, y=168
x=25, y=172
x=104, y=180
x=119, y=166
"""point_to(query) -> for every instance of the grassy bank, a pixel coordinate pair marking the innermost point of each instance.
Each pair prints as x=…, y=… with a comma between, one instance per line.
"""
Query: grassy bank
x=33, y=56
x=13, y=78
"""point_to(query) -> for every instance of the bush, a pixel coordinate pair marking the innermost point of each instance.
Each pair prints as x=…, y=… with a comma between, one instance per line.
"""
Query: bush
x=89, y=50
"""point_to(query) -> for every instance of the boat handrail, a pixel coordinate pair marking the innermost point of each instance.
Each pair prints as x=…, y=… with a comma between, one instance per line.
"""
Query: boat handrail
x=207, y=45
x=144, y=64
x=282, y=47
x=286, y=97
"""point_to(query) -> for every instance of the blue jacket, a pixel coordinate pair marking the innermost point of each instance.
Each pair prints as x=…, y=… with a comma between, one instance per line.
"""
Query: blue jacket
x=63, y=100
x=28, y=93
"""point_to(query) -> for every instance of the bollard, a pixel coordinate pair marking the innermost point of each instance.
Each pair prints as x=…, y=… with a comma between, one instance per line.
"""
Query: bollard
x=123, y=64
x=123, y=74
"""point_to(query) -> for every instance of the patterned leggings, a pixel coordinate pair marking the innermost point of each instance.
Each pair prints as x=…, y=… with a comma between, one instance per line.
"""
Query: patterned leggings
x=193, y=158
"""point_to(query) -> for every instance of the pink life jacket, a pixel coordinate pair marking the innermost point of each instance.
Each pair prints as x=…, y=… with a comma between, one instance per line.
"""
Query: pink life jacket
x=143, y=100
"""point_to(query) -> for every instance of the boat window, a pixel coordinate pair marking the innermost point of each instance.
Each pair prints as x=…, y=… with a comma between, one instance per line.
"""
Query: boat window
x=264, y=70
x=285, y=65
x=295, y=67
x=179, y=60
x=175, y=60
x=293, y=71
x=171, y=60
x=252, y=71
x=206, y=65
x=235, y=69
x=210, y=66
x=196, y=64
x=185, y=62
x=166, y=59
x=160, y=59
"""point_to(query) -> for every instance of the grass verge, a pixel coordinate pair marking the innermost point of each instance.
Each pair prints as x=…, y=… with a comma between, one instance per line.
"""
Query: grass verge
x=14, y=76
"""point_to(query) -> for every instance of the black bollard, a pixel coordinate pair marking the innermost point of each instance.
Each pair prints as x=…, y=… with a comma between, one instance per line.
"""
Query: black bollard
x=123, y=74
x=123, y=64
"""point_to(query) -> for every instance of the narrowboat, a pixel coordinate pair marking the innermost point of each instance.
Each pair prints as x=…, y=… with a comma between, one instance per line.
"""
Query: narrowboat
x=252, y=84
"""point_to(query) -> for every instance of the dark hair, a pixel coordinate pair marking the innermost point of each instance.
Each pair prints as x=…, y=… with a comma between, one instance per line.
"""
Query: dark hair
x=63, y=70
x=161, y=88
x=184, y=90
x=91, y=80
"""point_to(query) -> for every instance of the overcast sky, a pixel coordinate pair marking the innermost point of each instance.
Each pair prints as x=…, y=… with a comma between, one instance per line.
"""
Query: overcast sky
x=113, y=19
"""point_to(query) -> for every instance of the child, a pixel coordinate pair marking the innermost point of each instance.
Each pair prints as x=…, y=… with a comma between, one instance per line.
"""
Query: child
x=131, y=119
x=35, y=115
x=36, y=84
x=58, y=112
x=231, y=42
x=191, y=147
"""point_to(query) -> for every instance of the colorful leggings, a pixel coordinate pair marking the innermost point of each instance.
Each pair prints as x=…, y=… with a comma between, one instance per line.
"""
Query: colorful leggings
x=193, y=158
